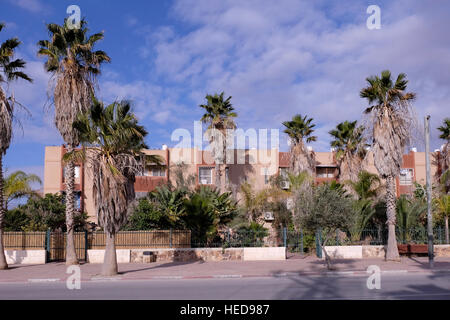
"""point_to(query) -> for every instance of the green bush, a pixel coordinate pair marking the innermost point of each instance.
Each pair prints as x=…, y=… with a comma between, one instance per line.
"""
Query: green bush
x=41, y=214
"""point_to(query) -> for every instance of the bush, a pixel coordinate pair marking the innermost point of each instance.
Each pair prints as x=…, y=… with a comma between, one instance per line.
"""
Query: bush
x=41, y=214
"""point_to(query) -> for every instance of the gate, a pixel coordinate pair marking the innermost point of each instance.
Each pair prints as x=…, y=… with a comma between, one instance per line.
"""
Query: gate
x=56, y=246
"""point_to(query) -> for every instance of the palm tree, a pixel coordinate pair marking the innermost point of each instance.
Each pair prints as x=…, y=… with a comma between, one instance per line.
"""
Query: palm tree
x=18, y=185
x=443, y=207
x=367, y=186
x=74, y=66
x=10, y=70
x=298, y=129
x=349, y=144
x=444, y=160
x=219, y=115
x=391, y=119
x=253, y=201
x=112, y=141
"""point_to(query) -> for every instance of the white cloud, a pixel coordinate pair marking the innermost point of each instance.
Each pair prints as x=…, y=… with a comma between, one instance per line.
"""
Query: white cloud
x=35, y=6
x=278, y=58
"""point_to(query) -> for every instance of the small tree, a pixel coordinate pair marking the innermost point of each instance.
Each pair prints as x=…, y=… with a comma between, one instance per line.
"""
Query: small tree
x=324, y=207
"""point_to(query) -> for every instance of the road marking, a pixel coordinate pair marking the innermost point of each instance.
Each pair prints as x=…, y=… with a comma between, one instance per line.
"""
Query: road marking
x=228, y=276
x=167, y=277
x=44, y=280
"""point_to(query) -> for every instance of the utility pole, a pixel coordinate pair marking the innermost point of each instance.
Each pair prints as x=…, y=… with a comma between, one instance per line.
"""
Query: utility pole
x=429, y=217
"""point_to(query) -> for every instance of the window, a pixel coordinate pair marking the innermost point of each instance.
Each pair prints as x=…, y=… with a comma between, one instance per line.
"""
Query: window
x=205, y=175
x=78, y=200
x=227, y=175
x=158, y=172
x=77, y=172
x=406, y=176
x=155, y=172
x=324, y=172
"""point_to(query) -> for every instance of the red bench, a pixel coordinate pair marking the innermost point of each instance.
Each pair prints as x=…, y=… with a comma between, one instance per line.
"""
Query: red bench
x=412, y=248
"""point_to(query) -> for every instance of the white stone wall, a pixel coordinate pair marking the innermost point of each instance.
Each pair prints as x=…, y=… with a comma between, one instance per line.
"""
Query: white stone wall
x=25, y=256
x=265, y=253
x=97, y=256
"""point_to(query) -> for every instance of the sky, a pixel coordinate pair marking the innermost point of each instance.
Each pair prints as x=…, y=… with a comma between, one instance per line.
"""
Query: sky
x=275, y=58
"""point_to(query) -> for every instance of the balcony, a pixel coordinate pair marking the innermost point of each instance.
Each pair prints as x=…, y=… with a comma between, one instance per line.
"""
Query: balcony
x=147, y=184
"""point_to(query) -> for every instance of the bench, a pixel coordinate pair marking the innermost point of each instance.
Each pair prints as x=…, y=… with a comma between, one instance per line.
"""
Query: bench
x=412, y=249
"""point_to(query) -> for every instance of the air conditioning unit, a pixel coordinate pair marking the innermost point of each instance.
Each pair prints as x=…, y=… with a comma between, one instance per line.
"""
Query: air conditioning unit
x=284, y=185
x=203, y=181
x=268, y=216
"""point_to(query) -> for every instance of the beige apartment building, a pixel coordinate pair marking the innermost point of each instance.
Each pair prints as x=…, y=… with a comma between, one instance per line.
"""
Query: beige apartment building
x=253, y=166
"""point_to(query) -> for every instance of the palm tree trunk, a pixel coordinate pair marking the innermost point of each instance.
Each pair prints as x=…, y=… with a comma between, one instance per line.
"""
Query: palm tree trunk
x=71, y=255
x=218, y=182
x=109, y=267
x=392, y=249
x=3, y=263
x=446, y=230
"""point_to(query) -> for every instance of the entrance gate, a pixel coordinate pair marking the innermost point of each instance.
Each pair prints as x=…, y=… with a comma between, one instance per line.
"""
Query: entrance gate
x=55, y=246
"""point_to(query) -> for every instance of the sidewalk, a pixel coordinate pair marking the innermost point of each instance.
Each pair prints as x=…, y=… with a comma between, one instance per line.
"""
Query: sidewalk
x=225, y=269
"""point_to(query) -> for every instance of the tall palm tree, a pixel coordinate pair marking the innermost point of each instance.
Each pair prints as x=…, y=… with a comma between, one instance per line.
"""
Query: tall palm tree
x=391, y=119
x=219, y=115
x=298, y=129
x=18, y=185
x=74, y=64
x=113, y=142
x=10, y=70
x=349, y=143
x=444, y=160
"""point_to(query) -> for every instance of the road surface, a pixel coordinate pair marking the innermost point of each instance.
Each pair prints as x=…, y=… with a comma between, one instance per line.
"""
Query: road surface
x=393, y=286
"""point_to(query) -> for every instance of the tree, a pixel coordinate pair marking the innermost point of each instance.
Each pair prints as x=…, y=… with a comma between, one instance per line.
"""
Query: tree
x=444, y=159
x=41, y=214
x=219, y=115
x=324, y=208
x=254, y=202
x=74, y=64
x=18, y=185
x=113, y=142
x=168, y=202
x=207, y=210
x=350, y=145
x=298, y=129
x=391, y=119
x=442, y=205
x=409, y=211
x=10, y=70
x=366, y=188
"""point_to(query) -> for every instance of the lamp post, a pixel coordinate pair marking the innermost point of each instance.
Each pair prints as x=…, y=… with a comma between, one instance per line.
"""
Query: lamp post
x=428, y=177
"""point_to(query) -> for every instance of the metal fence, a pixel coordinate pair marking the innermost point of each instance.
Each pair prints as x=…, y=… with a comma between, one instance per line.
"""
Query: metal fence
x=380, y=236
x=143, y=239
x=294, y=240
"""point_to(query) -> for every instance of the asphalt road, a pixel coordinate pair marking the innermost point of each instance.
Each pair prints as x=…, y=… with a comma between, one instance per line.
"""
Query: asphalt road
x=393, y=286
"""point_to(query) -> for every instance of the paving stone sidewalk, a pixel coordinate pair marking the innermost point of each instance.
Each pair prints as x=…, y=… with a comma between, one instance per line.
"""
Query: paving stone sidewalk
x=198, y=269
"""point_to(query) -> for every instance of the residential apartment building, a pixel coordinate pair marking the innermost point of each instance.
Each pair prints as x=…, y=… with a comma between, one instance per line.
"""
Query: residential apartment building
x=253, y=166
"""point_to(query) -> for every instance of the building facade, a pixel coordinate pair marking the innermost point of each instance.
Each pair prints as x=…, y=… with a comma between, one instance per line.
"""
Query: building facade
x=253, y=166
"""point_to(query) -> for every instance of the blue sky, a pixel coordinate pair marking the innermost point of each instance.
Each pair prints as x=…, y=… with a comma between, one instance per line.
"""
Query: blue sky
x=276, y=58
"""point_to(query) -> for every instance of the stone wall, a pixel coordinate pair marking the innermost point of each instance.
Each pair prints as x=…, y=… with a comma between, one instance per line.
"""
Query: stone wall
x=25, y=256
x=183, y=255
x=442, y=250
x=358, y=252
